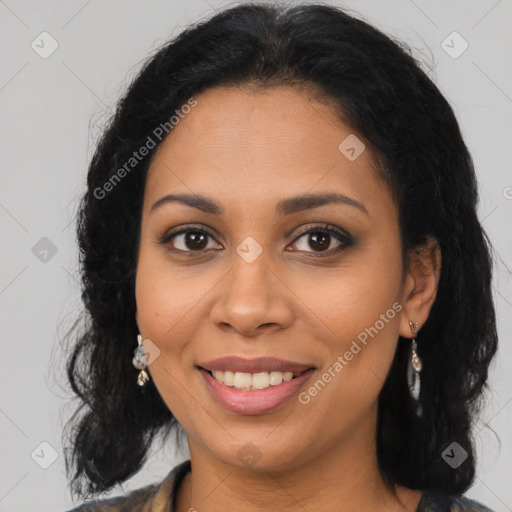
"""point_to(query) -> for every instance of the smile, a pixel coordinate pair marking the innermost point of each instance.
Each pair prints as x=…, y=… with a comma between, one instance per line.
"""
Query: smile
x=244, y=396
x=251, y=381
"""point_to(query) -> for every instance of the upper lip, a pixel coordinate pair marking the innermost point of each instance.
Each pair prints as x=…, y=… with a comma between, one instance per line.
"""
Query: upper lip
x=258, y=364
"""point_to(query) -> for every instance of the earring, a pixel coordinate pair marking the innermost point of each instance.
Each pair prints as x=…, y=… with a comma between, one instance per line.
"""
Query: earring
x=139, y=362
x=414, y=366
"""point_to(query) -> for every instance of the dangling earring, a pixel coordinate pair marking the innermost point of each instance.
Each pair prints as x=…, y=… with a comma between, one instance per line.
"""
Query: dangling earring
x=414, y=366
x=139, y=362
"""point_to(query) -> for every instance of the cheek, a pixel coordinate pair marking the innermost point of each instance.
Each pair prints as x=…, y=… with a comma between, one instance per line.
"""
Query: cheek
x=165, y=315
x=352, y=297
x=356, y=316
x=164, y=295
x=163, y=308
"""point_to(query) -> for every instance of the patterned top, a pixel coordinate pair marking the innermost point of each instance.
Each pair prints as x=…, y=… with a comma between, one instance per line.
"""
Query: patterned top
x=161, y=498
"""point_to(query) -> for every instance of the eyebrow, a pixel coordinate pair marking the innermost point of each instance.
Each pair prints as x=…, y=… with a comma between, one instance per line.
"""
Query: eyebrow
x=283, y=207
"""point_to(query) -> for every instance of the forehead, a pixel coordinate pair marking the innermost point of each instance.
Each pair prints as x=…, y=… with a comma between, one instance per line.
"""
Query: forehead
x=241, y=144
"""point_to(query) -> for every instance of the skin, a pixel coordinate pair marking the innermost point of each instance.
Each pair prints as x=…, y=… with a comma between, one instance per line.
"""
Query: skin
x=247, y=150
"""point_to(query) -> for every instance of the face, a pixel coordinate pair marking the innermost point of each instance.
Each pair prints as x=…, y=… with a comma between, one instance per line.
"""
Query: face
x=312, y=282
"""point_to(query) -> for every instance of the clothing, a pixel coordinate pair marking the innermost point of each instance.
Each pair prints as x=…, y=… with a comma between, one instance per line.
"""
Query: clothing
x=161, y=498
x=151, y=498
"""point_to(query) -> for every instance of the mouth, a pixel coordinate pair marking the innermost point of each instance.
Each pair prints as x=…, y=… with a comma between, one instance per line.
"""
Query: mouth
x=257, y=386
x=253, y=374
x=253, y=381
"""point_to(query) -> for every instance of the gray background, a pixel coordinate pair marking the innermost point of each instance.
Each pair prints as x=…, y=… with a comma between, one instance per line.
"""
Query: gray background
x=52, y=111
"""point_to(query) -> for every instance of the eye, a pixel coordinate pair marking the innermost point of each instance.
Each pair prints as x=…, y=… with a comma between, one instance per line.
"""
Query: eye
x=192, y=239
x=321, y=238
x=188, y=239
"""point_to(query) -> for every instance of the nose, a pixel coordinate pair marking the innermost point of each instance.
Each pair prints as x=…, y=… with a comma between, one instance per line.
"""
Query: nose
x=252, y=299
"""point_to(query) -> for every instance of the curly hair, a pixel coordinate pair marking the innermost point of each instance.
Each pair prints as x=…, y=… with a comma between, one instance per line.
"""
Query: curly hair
x=379, y=89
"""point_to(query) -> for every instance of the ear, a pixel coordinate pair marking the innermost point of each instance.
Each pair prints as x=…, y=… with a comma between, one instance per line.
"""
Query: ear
x=420, y=285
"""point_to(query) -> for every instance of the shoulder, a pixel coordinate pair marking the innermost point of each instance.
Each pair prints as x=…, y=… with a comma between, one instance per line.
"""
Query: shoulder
x=151, y=498
x=434, y=501
x=135, y=500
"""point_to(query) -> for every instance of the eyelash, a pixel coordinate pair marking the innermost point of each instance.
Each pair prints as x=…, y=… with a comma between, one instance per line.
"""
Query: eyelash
x=345, y=239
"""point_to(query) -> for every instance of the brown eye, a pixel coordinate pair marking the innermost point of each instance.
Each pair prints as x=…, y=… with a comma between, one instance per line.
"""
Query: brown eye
x=189, y=240
x=321, y=239
x=195, y=241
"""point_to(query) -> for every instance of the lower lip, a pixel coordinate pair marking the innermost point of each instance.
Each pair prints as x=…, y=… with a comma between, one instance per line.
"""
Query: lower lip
x=258, y=401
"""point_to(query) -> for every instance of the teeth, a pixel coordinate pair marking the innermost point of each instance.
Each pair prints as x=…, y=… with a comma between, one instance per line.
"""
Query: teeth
x=275, y=378
x=261, y=380
x=242, y=380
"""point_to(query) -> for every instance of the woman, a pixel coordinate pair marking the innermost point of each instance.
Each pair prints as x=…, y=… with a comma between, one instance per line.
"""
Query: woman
x=281, y=258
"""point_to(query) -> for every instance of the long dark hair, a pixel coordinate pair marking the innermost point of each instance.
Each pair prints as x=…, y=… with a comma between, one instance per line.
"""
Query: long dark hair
x=380, y=90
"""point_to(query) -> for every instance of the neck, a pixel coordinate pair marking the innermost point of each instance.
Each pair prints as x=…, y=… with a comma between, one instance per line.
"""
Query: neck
x=344, y=477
